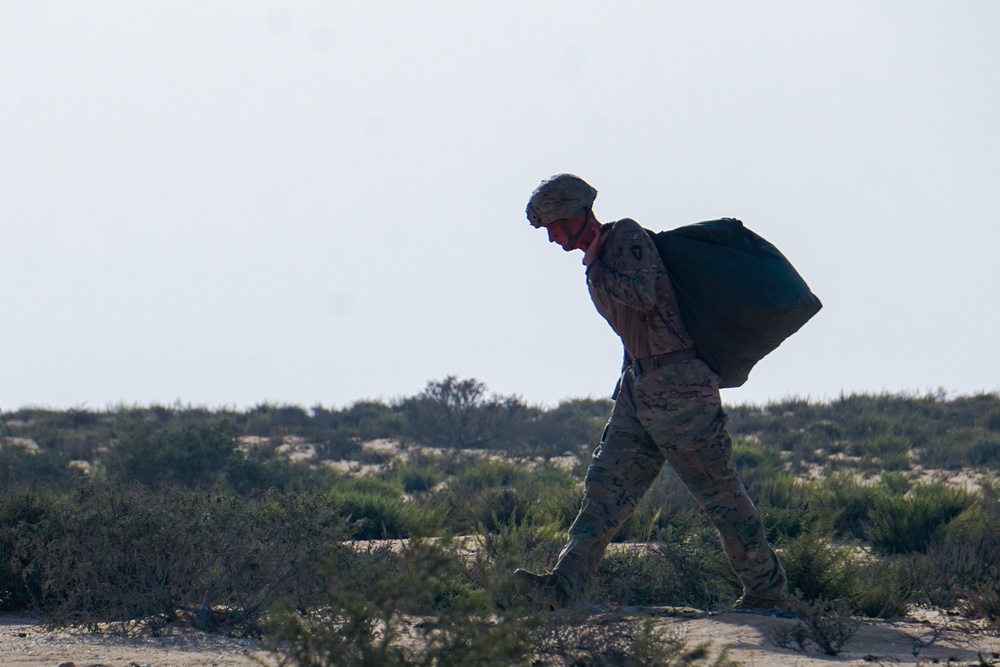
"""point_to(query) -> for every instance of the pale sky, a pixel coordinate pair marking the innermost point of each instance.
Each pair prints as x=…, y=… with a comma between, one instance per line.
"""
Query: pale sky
x=225, y=203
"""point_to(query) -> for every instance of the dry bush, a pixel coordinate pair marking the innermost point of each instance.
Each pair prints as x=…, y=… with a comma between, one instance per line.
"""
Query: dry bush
x=578, y=640
x=790, y=635
x=19, y=513
x=125, y=555
x=416, y=607
x=514, y=545
x=826, y=624
x=688, y=569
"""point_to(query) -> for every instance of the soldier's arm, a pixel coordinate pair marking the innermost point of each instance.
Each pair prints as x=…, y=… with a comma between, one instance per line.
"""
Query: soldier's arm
x=627, y=267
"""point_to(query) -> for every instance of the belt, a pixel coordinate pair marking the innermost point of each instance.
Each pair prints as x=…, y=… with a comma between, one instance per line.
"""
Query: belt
x=660, y=360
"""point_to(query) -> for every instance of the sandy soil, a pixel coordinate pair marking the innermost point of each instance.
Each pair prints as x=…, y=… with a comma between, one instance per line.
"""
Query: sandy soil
x=24, y=643
x=910, y=642
x=748, y=638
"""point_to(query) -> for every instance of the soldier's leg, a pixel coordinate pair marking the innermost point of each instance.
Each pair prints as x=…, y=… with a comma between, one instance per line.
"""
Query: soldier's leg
x=625, y=464
x=706, y=466
x=686, y=417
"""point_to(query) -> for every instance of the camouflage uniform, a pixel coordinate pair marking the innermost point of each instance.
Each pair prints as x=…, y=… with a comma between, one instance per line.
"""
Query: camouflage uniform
x=668, y=414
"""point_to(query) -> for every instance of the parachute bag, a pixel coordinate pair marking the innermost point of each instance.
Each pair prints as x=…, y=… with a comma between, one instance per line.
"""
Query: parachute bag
x=738, y=296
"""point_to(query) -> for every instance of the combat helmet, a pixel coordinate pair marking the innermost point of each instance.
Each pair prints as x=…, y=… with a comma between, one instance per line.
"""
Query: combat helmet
x=557, y=197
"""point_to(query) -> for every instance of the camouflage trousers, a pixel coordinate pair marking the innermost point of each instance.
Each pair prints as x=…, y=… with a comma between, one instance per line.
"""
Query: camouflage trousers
x=669, y=415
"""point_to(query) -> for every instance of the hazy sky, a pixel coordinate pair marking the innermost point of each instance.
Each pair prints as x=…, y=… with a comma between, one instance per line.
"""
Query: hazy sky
x=225, y=203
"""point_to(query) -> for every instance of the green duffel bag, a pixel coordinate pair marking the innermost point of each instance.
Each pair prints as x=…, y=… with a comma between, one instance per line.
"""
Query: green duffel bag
x=738, y=295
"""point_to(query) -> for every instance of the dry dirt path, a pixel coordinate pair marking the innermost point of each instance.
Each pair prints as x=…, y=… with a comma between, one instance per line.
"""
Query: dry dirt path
x=23, y=643
x=748, y=639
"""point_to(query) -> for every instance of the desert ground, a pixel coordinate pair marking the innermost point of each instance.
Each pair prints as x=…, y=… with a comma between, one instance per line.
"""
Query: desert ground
x=23, y=643
x=749, y=639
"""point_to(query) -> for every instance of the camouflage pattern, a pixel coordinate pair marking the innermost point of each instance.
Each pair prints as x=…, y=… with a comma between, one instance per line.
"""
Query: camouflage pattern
x=557, y=197
x=669, y=415
x=630, y=288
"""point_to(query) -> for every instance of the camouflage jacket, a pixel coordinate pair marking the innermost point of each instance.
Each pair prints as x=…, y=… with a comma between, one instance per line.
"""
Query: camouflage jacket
x=630, y=288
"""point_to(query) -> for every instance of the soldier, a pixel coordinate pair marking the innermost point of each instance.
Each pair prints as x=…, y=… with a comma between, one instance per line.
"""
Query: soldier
x=667, y=409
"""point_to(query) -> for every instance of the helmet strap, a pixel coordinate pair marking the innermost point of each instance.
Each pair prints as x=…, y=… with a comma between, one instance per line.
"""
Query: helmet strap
x=583, y=228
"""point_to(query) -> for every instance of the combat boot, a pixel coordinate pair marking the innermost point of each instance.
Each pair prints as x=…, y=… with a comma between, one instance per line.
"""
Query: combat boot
x=758, y=605
x=545, y=590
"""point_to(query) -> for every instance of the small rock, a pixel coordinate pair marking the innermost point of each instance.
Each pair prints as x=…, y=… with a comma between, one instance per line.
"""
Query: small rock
x=68, y=663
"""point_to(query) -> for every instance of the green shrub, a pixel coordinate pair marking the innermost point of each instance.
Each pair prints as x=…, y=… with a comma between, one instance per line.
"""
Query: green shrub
x=487, y=494
x=21, y=513
x=373, y=516
x=885, y=588
x=687, y=569
x=782, y=498
x=985, y=451
x=415, y=477
x=946, y=453
x=22, y=469
x=487, y=509
x=339, y=431
x=784, y=504
x=818, y=568
x=192, y=456
x=501, y=506
x=363, y=620
x=961, y=568
x=887, y=451
x=781, y=523
x=498, y=554
x=847, y=501
x=909, y=523
x=573, y=426
x=459, y=413
x=256, y=471
x=273, y=420
x=896, y=483
x=755, y=459
x=991, y=420
x=74, y=434
x=556, y=498
x=480, y=473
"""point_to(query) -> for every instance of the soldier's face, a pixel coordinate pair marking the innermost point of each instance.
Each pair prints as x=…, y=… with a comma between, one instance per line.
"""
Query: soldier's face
x=566, y=232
